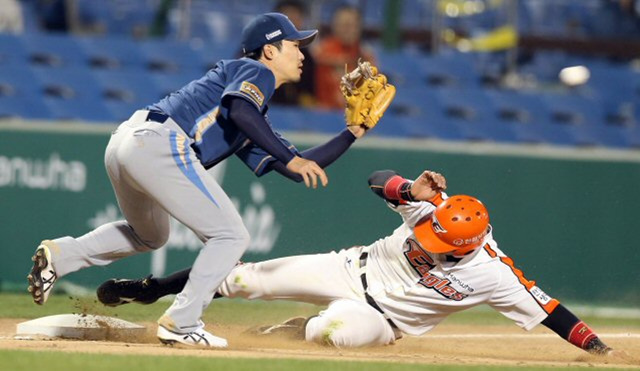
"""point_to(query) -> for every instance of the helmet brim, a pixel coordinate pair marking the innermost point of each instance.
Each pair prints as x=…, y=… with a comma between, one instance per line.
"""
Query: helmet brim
x=429, y=240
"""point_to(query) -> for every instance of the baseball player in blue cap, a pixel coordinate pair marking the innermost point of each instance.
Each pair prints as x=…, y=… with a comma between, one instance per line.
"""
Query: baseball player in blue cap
x=157, y=162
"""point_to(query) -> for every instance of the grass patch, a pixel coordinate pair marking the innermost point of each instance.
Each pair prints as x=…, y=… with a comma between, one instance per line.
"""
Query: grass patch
x=18, y=360
x=232, y=311
x=238, y=311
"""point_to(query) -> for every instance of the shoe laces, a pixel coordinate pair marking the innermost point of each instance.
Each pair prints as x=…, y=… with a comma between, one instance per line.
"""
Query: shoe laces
x=146, y=282
x=196, y=337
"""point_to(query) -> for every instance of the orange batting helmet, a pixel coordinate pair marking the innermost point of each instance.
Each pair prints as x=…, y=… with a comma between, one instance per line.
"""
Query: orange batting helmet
x=458, y=225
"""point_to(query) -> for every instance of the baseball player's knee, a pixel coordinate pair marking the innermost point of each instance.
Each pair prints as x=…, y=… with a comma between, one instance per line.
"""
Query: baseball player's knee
x=245, y=281
x=321, y=329
x=156, y=240
x=234, y=237
x=142, y=238
x=239, y=235
x=333, y=331
x=347, y=323
x=150, y=235
x=244, y=236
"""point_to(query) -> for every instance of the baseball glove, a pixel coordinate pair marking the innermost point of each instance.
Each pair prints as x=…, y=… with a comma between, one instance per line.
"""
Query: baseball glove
x=367, y=94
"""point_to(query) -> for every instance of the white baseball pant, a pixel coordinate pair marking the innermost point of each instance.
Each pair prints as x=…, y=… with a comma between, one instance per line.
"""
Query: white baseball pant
x=331, y=279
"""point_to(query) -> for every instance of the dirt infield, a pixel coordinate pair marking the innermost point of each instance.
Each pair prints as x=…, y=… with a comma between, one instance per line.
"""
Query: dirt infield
x=448, y=344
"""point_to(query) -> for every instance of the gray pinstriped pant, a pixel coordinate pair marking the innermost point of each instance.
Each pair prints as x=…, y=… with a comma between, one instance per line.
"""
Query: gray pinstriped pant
x=154, y=174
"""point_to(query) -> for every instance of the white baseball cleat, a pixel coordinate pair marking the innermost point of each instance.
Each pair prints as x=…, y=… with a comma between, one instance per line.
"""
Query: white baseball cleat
x=42, y=275
x=199, y=338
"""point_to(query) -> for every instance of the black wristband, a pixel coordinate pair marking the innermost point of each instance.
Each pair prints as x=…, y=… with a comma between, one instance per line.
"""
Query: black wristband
x=405, y=192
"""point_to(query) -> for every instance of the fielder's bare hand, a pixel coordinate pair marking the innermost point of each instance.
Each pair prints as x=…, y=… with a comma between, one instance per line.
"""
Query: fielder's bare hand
x=427, y=185
x=309, y=170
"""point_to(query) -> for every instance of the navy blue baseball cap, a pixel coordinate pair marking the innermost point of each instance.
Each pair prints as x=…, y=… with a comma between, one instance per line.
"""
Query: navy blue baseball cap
x=271, y=27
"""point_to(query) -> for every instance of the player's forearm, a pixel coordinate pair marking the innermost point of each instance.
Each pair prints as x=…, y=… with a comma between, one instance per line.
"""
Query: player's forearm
x=571, y=328
x=324, y=154
x=256, y=128
x=282, y=169
x=390, y=186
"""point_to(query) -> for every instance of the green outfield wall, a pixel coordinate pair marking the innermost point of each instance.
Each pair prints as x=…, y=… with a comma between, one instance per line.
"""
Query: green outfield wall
x=569, y=221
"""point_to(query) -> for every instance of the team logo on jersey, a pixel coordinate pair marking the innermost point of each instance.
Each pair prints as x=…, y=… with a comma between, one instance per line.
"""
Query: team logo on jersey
x=252, y=92
x=442, y=286
x=422, y=263
x=417, y=257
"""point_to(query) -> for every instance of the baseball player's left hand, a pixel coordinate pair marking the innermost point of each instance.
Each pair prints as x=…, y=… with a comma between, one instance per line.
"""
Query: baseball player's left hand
x=309, y=170
x=427, y=185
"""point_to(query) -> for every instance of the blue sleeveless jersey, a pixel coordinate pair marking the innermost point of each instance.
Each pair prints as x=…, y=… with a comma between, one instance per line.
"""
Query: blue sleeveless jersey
x=196, y=108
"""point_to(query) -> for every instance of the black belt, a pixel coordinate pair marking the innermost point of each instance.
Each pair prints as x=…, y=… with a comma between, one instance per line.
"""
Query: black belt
x=156, y=116
x=370, y=300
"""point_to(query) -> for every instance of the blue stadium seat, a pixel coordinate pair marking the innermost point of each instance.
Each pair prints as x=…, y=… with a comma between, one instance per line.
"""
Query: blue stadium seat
x=19, y=80
x=304, y=120
x=127, y=86
x=218, y=21
x=211, y=53
x=413, y=13
x=21, y=94
x=167, y=83
x=449, y=68
x=54, y=50
x=472, y=111
x=568, y=121
x=171, y=56
x=284, y=118
x=30, y=107
x=121, y=17
x=616, y=86
x=125, y=91
x=521, y=112
x=12, y=51
x=414, y=101
x=431, y=125
x=401, y=69
x=623, y=137
x=72, y=94
x=416, y=111
x=545, y=65
x=112, y=52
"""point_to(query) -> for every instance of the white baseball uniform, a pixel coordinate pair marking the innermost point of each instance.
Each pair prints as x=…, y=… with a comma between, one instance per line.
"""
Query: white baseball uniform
x=378, y=292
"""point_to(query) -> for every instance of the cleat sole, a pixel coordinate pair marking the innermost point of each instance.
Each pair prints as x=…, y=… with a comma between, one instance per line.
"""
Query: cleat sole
x=167, y=342
x=35, y=279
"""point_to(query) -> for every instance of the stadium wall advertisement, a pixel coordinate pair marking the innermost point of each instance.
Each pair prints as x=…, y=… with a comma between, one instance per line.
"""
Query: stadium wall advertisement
x=568, y=223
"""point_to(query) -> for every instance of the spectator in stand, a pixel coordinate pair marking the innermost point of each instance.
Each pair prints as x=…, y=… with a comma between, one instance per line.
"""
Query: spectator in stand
x=72, y=16
x=302, y=93
x=342, y=47
x=11, y=19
